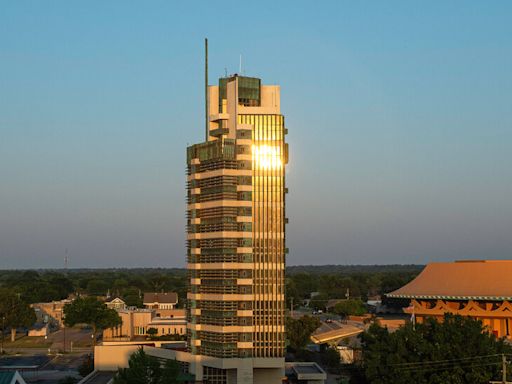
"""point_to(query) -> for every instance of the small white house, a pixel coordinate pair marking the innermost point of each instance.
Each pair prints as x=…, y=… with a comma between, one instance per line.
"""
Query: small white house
x=117, y=304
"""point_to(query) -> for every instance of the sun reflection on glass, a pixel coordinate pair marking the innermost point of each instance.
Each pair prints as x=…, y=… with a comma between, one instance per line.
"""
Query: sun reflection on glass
x=267, y=157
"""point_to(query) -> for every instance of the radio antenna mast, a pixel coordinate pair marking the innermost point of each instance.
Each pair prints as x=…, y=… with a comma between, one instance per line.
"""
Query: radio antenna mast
x=206, y=88
x=66, y=262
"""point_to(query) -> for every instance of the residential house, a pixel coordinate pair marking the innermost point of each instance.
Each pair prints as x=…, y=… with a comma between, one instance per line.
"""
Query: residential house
x=162, y=302
x=116, y=303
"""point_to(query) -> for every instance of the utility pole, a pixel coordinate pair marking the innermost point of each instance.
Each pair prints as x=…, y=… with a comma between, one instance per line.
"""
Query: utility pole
x=503, y=372
x=413, y=319
x=291, y=307
x=504, y=368
x=64, y=332
x=2, y=344
x=66, y=262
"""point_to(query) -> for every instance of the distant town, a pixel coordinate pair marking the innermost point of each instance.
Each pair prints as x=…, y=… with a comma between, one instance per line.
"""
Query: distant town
x=149, y=303
x=332, y=312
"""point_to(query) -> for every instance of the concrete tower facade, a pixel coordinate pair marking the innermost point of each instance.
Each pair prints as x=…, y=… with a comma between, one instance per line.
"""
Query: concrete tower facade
x=236, y=236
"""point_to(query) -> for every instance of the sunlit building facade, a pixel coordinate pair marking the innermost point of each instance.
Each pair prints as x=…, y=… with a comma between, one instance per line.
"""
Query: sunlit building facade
x=476, y=288
x=236, y=236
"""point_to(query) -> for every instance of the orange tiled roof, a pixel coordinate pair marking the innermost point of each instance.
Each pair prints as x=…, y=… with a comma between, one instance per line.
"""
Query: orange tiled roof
x=461, y=280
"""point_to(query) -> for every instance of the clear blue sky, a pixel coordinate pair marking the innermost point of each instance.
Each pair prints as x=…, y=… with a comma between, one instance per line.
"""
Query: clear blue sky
x=399, y=116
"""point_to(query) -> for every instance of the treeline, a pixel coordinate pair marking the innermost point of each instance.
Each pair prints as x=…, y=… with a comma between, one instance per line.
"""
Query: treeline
x=337, y=281
x=353, y=269
x=329, y=282
x=130, y=284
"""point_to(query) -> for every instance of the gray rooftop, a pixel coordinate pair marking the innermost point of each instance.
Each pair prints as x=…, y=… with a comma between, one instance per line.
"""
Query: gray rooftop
x=307, y=369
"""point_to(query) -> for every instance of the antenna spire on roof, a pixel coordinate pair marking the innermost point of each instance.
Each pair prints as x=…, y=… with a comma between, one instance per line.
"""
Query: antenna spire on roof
x=206, y=87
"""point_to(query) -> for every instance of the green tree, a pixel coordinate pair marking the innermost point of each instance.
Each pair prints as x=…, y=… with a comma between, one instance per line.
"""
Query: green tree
x=120, y=284
x=331, y=358
x=304, y=284
x=62, y=284
x=35, y=287
x=319, y=301
x=159, y=282
x=97, y=287
x=87, y=366
x=152, y=332
x=299, y=331
x=392, y=281
x=133, y=301
x=90, y=311
x=16, y=312
x=373, y=282
x=457, y=350
x=145, y=369
x=170, y=372
x=292, y=293
x=350, y=307
x=132, y=297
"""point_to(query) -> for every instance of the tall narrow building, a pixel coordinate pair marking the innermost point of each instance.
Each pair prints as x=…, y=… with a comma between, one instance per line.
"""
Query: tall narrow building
x=236, y=236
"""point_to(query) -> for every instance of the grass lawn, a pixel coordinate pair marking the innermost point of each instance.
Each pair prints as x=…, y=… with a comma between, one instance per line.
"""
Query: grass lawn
x=27, y=342
x=82, y=343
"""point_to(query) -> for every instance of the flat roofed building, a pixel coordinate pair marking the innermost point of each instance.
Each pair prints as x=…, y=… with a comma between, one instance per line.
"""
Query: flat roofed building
x=136, y=322
x=305, y=373
x=475, y=288
x=167, y=326
x=51, y=312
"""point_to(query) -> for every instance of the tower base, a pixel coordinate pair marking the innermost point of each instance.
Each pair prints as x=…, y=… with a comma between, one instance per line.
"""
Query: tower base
x=213, y=370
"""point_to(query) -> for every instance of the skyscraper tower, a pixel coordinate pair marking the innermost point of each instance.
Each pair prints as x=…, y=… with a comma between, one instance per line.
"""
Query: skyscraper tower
x=236, y=235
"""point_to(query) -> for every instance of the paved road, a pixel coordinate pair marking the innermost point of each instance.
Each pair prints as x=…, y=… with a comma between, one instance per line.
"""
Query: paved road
x=48, y=376
x=23, y=361
x=75, y=337
x=44, y=351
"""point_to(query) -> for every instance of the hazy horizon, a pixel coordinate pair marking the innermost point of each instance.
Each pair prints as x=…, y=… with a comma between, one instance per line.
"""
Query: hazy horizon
x=59, y=269
x=398, y=116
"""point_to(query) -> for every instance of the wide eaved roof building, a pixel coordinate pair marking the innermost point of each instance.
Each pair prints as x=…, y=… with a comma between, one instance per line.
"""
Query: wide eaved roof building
x=475, y=288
